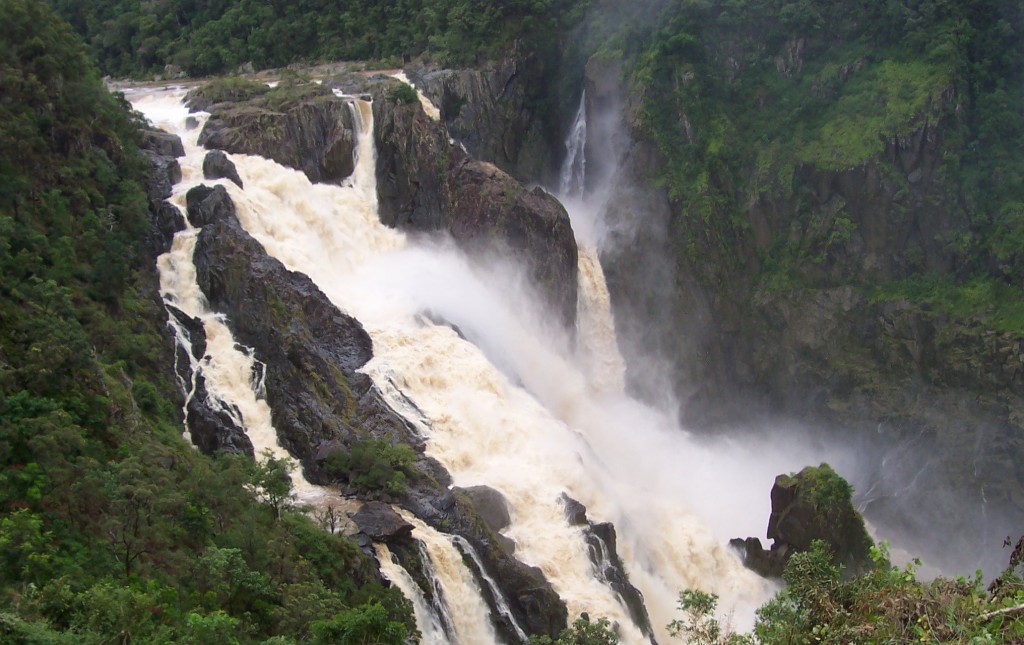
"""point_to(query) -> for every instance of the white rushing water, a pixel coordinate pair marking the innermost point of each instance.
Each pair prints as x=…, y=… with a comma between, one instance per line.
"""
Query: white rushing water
x=518, y=408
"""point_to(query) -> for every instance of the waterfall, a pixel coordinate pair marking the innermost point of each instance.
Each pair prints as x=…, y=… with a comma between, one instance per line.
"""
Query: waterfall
x=515, y=409
x=428, y=619
x=574, y=167
x=499, y=597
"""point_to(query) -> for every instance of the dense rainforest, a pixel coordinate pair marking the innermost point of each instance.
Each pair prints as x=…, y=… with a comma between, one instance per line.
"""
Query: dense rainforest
x=113, y=528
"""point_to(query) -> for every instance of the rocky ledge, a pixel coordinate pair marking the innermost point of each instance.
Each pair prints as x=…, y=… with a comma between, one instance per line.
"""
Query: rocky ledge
x=814, y=504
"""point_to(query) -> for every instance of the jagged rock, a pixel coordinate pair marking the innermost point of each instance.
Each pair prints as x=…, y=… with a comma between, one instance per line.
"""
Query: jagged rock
x=313, y=131
x=814, y=504
x=604, y=556
x=211, y=427
x=216, y=165
x=492, y=112
x=425, y=183
x=164, y=172
x=489, y=504
x=575, y=512
x=162, y=143
x=209, y=205
x=381, y=523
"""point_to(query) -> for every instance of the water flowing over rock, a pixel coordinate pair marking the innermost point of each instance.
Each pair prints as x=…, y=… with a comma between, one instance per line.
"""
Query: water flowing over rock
x=311, y=132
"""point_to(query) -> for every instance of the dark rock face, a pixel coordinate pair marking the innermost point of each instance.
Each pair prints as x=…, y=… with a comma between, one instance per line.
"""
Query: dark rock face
x=162, y=143
x=489, y=504
x=381, y=523
x=211, y=427
x=162, y=150
x=427, y=184
x=314, y=133
x=608, y=567
x=209, y=205
x=216, y=165
x=491, y=110
x=812, y=505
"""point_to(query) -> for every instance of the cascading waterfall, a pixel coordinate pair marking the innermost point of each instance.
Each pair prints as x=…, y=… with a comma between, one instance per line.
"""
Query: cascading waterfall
x=429, y=622
x=499, y=597
x=540, y=425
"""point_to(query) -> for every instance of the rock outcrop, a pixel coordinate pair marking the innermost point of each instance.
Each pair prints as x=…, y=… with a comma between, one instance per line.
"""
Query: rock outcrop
x=492, y=110
x=162, y=150
x=304, y=127
x=216, y=165
x=604, y=556
x=426, y=183
x=814, y=504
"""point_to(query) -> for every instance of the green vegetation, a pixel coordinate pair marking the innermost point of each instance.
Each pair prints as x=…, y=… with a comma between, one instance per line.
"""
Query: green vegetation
x=753, y=101
x=133, y=38
x=885, y=605
x=980, y=297
x=372, y=465
x=404, y=94
x=581, y=632
x=113, y=529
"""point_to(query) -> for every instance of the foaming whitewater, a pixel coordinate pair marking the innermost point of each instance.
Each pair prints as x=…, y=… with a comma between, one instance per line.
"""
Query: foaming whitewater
x=510, y=404
x=230, y=369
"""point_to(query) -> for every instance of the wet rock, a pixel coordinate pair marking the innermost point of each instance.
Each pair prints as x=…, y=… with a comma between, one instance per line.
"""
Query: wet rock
x=381, y=523
x=216, y=165
x=489, y=504
x=425, y=183
x=163, y=143
x=814, y=504
x=208, y=205
x=310, y=130
x=212, y=427
x=575, y=512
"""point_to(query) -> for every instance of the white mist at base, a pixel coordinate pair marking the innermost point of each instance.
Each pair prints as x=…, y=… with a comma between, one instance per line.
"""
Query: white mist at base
x=508, y=402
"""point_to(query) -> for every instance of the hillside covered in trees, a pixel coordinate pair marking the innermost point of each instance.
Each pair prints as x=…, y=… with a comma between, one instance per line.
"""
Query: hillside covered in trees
x=113, y=528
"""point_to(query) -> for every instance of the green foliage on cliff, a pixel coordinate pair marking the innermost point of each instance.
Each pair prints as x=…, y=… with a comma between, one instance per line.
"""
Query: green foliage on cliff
x=373, y=465
x=112, y=528
x=886, y=605
x=754, y=101
x=130, y=37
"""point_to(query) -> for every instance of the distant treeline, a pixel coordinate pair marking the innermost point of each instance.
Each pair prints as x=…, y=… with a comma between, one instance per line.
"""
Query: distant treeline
x=134, y=38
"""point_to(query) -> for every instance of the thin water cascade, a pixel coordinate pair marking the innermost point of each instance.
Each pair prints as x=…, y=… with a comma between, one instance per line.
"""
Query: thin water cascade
x=428, y=620
x=514, y=410
x=234, y=378
x=499, y=597
x=428, y=106
x=574, y=167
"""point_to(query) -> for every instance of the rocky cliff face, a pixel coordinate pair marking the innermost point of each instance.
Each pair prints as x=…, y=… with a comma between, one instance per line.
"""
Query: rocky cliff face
x=312, y=131
x=799, y=333
x=494, y=111
x=426, y=183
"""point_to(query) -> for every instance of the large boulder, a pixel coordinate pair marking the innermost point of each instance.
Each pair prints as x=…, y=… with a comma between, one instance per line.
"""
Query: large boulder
x=208, y=205
x=381, y=523
x=814, y=504
x=216, y=165
x=303, y=126
x=427, y=183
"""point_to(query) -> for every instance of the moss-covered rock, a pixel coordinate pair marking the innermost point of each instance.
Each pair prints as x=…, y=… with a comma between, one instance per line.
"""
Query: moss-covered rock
x=814, y=504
